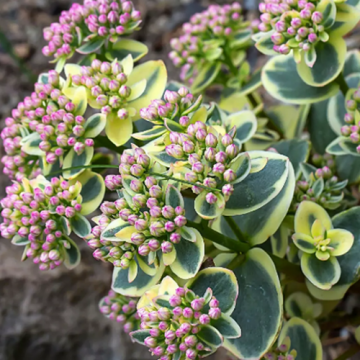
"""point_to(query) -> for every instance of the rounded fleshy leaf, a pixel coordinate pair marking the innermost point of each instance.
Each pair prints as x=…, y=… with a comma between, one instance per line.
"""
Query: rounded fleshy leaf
x=259, y=284
x=352, y=62
x=348, y=167
x=227, y=327
x=80, y=225
x=30, y=144
x=189, y=257
x=173, y=197
x=288, y=119
x=322, y=274
x=241, y=166
x=92, y=191
x=259, y=188
x=91, y=46
x=118, y=131
x=79, y=99
x=223, y=284
x=296, y=150
x=281, y=79
x=280, y=241
x=156, y=78
x=303, y=338
x=298, y=304
x=210, y=336
x=304, y=242
x=124, y=47
x=139, y=336
x=347, y=17
x=321, y=133
x=150, y=134
x=139, y=285
x=265, y=45
x=72, y=255
x=341, y=241
x=17, y=240
x=245, y=123
x=205, y=77
x=260, y=224
x=113, y=228
x=94, y=125
x=251, y=85
x=329, y=62
x=73, y=160
x=307, y=213
x=209, y=211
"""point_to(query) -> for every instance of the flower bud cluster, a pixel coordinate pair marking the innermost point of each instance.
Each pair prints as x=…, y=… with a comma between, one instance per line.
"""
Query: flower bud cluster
x=352, y=129
x=175, y=329
x=40, y=217
x=99, y=19
x=217, y=23
x=157, y=225
x=320, y=161
x=176, y=106
x=52, y=115
x=332, y=192
x=106, y=84
x=210, y=158
x=121, y=309
x=282, y=352
x=17, y=164
x=298, y=24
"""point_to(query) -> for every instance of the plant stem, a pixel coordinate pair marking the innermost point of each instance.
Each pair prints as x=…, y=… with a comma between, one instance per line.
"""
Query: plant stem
x=184, y=182
x=235, y=228
x=214, y=236
x=342, y=83
x=354, y=349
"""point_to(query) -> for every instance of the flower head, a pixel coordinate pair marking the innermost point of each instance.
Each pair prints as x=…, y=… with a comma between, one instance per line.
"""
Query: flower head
x=38, y=214
x=122, y=309
x=95, y=20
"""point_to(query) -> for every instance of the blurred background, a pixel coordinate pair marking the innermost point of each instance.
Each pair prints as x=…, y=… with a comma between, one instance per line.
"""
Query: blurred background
x=54, y=315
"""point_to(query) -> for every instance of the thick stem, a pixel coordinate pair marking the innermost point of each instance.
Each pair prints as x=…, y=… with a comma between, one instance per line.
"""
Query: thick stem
x=214, y=236
x=342, y=83
x=234, y=227
x=354, y=349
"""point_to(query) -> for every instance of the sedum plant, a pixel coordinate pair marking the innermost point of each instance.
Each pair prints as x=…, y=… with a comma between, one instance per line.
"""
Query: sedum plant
x=229, y=221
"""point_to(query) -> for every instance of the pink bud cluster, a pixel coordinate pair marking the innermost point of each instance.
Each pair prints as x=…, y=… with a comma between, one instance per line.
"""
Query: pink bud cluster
x=352, y=129
x=321, y=161
x=107, y=87
x=175, y=329
x=52, y=115
x=331, y=196
x=157, y=225
x=191, y=48
x=297, y=24
x=176, y=106
x=95, y=19
x=39, y=216
x=209, y=156
x=17, y=164
x=121, y=309
x=282, y=352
